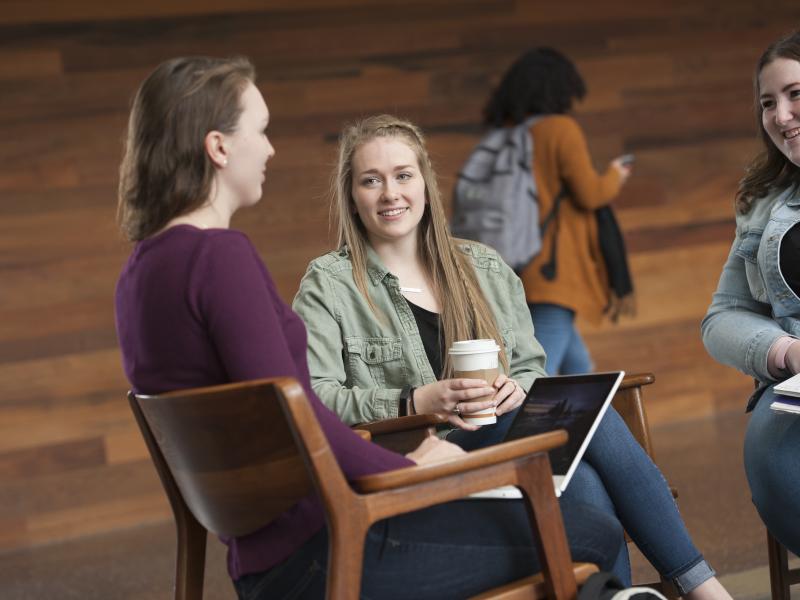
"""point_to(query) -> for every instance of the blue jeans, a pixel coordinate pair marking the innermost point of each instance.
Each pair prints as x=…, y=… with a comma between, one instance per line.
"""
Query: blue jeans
x=554, y=327
x=616, y=474
x=452, y=550
x=771, y=446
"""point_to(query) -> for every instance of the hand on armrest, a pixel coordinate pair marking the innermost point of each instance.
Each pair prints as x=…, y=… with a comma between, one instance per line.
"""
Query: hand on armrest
x=432, y=450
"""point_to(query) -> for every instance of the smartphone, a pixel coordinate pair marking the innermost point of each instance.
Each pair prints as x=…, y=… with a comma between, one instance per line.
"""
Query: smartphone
x=627, y=159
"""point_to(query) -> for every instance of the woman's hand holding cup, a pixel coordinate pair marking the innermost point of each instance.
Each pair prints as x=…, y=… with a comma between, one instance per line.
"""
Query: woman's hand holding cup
x=509, y=395
x=452, y=397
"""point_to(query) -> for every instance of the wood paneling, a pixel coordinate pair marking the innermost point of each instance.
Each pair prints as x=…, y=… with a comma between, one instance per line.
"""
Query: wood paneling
x=668, y=81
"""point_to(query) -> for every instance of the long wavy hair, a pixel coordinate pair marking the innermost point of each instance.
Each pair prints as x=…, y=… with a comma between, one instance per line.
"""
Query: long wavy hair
x=770, y=169
x=166, y=171
x=465, y=311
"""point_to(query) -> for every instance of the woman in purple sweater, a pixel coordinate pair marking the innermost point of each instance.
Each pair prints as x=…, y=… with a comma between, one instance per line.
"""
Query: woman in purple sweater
x=195, y=306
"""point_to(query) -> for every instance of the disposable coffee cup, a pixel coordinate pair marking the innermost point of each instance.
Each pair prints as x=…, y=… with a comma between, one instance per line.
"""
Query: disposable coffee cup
x=476, y=359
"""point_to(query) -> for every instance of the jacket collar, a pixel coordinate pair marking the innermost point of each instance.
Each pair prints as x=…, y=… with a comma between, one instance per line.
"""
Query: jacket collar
x=793, y=196
x=376, y=270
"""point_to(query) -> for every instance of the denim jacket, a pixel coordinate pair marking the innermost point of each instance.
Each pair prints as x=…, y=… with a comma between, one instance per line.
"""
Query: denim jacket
x=359, y=363
x=753, y=306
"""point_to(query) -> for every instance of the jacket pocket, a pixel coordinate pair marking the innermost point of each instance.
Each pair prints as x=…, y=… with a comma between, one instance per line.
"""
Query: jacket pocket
x=375, y=359
x=748, y=246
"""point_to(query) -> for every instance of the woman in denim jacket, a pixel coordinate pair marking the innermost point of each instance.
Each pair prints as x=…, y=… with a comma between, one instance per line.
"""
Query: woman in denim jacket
x=754, y=318
x=382, y=309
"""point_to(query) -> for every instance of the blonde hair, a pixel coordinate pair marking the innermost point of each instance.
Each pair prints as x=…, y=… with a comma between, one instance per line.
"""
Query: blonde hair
x=465, y=311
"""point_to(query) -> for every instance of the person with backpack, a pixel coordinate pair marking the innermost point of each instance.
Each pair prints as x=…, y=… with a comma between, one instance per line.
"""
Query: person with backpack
x=545, y=208
x=382, y=308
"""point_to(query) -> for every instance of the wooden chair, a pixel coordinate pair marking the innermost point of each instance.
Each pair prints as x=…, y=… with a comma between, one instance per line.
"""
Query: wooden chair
x=233, y=457
x=628, y=401
x=781, y=577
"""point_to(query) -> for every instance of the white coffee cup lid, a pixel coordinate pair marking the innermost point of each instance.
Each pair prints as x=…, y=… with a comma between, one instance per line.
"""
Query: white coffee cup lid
x=474, y=347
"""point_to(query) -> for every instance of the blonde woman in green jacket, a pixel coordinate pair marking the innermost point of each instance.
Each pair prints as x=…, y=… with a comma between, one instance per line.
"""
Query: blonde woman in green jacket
x=383, y=308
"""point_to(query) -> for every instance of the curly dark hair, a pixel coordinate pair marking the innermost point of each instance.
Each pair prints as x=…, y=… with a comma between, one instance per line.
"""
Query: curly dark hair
x=770, y=169
x=541, y=81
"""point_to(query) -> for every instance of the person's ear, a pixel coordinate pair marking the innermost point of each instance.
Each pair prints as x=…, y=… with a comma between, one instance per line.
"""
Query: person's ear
x=216, y=149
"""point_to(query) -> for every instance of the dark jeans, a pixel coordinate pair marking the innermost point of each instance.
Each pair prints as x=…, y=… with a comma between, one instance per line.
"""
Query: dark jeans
x=452, y=550
x=487, y=435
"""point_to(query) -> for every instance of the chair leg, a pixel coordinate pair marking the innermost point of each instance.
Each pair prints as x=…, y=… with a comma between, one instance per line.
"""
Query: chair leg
x=548, y=528
x=345, y=561
x=778, y=569
x=191, y=563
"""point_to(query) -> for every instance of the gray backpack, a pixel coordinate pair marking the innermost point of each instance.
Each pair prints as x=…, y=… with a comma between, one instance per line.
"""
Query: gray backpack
x=495, y=200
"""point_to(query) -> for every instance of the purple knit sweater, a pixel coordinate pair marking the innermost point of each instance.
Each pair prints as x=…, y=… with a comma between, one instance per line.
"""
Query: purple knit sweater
x=197, y=308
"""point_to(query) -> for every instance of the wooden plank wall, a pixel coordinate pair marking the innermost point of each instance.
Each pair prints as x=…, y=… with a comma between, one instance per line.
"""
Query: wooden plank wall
x=669, y=81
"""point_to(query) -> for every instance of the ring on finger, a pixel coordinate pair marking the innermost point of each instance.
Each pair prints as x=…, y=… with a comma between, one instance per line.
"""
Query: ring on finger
x=456, y=410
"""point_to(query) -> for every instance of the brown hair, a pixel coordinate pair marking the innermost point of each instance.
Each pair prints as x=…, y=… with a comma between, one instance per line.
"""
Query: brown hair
x=770, y=169
x=465, y=312
x=165, y=171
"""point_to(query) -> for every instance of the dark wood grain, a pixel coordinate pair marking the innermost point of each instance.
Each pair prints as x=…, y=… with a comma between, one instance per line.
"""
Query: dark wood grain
x=667, y=81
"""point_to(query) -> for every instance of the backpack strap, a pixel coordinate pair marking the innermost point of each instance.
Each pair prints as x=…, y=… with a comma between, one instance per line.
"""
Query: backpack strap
x=548, y=269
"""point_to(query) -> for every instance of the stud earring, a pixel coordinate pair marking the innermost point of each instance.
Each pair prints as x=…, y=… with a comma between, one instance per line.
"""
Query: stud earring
x=224, y=162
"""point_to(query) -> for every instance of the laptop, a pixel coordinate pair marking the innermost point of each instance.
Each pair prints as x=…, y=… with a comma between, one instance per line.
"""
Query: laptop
x=576, y=403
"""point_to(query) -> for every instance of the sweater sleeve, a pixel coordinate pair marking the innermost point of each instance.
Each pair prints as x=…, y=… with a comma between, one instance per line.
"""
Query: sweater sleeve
x=235, y=295
x=588, y=189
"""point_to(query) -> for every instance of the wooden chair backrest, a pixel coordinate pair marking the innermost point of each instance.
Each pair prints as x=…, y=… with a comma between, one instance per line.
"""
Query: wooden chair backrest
x=229, y=451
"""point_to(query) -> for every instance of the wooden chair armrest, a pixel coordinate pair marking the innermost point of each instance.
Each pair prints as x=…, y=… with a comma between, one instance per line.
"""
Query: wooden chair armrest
x=398, y=424
x=636, y=380
x=365, y=435
x=484, y=457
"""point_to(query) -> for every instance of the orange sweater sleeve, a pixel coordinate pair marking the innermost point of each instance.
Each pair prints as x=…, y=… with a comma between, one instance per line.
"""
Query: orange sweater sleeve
x=588, y=189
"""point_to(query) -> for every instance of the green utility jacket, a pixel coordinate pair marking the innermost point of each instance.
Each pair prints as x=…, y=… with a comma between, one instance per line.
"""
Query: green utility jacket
x=359, y=364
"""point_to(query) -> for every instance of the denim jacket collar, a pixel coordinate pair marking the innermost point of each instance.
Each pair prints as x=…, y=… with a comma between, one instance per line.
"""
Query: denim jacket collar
x=793, y=197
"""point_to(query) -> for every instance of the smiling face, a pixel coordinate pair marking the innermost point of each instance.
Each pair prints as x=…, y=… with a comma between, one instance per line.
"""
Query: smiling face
x=388, y=190
x=248, y=150
x=779, y=96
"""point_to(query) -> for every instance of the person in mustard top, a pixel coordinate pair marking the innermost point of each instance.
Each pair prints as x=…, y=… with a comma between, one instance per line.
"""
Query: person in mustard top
x=544, y=82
